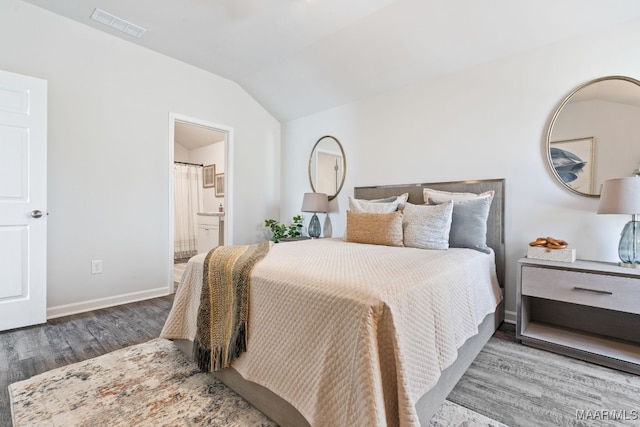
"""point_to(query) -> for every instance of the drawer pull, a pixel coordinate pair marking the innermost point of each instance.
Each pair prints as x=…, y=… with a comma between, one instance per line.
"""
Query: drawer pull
x=593, y=291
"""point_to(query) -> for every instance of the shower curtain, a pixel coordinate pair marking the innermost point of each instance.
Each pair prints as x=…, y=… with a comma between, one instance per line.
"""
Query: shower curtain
x=187, y=193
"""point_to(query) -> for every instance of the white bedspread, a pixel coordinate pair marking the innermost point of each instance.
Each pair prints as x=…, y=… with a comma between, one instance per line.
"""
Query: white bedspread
x=353, y=334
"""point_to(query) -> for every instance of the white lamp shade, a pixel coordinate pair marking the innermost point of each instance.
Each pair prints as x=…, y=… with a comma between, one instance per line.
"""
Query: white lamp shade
x=620, y=196
x=315, y=202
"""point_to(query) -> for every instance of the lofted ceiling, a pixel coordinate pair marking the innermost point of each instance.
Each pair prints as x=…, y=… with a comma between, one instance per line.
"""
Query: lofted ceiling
x=298, y=57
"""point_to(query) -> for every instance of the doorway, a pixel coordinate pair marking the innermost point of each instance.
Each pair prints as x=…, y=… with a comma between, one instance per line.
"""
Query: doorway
x=205, y=147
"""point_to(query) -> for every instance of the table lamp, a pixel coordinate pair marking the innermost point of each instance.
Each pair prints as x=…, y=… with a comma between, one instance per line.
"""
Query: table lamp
x=622, y=196
x=315, y=202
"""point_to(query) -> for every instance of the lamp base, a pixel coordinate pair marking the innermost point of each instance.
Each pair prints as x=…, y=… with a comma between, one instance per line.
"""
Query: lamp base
x=628, y=265
x=629, y=247
x=314, y=227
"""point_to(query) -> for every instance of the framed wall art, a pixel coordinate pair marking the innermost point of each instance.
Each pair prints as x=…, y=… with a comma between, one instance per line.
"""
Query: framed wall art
x=208, y=175
x=219, y=185
x=573, y=161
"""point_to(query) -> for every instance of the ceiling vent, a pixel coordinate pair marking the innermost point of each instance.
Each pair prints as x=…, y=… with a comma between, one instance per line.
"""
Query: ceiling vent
x=118, y=23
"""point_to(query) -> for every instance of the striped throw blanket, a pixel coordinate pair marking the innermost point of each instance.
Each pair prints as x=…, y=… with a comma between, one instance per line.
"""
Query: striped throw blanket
x=224, y=304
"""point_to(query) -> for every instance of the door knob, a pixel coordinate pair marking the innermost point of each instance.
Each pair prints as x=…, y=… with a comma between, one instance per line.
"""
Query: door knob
x=36, y=213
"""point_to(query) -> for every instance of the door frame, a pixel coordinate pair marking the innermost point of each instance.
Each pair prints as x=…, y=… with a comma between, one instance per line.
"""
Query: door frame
x=228, y=180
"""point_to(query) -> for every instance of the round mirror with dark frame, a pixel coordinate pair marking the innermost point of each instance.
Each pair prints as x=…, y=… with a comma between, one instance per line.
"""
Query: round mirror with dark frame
x=594, y=135
x=327, y=166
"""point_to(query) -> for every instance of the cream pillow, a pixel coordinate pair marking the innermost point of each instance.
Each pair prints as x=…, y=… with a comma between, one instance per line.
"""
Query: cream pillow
x=427, y=226
x=367, y=206
x=432, y=196
x=374, y=228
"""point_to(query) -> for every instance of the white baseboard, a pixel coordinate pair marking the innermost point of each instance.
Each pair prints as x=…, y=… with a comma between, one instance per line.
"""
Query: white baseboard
x=96, y=304
x=510, y=316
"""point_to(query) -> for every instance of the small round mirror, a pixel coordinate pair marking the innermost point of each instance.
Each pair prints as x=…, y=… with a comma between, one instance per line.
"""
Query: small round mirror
x=327, y=167
x=593, y=135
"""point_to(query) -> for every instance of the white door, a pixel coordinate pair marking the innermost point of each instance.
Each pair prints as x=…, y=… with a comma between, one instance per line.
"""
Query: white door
x=23, y=200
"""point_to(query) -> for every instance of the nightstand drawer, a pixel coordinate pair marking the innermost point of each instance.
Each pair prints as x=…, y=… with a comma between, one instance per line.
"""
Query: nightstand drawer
x=596, y=290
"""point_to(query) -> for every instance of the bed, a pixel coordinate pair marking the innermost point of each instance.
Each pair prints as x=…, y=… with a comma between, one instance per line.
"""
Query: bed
x=372, y=344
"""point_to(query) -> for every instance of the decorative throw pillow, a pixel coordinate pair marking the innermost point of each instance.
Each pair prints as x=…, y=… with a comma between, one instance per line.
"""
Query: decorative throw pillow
x=469, y=224
x=367, y=206
x=374, y=228
x=427, y=226
x=442, y=196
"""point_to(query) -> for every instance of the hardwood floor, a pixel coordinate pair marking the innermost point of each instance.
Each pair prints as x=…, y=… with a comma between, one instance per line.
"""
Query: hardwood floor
x=29, y=351
x=508, y=382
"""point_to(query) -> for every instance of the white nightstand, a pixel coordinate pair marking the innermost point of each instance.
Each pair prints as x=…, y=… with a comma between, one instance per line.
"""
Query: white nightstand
x=585, y=309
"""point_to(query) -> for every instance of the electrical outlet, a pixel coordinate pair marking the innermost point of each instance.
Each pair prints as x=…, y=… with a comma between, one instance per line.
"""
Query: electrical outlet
x=96, y=266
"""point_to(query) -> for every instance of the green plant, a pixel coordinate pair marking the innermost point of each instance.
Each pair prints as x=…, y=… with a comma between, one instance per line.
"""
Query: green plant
x=281, y=231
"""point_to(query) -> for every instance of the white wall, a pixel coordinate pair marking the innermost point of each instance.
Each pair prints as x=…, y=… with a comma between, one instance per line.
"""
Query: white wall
x=180, y=153
x=108, y=151
x=485, y=122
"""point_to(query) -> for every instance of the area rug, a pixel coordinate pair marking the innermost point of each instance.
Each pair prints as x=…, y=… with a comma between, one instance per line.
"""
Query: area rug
x=152, y=384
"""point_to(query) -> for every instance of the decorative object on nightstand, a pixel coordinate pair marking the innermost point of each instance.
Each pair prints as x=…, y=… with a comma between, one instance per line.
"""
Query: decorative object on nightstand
x=315, y=202
x=280, y=231
x=622, y=196
x=551, y=249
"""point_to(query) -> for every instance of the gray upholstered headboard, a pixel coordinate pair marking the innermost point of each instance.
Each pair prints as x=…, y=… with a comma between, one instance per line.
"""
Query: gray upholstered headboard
x=495, y=223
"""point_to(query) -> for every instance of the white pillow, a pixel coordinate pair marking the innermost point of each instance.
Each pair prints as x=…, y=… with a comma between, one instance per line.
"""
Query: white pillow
x=402, y=200
x=436, y=196
x=367, y=206
x=427, y=226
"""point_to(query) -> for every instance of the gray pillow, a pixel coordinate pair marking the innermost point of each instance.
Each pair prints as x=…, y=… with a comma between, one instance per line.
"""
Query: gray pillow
x=469, y=224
